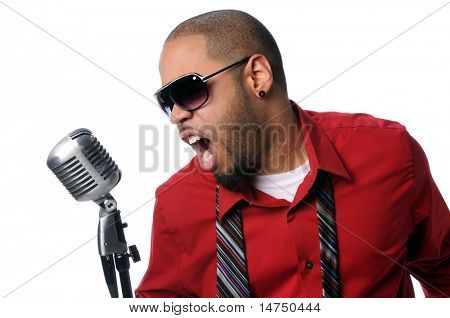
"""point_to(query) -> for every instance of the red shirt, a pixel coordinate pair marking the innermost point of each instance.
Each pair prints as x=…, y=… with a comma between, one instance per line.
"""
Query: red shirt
x=392, y=221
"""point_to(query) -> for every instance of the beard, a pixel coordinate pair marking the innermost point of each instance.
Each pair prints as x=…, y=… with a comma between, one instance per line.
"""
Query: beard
x=242, y=139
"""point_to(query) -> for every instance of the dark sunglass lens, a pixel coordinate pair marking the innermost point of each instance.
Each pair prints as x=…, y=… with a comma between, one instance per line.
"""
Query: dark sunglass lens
x=165, y=102
x=190, y=92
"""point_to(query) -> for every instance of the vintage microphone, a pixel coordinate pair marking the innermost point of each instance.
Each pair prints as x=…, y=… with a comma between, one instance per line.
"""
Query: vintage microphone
x=88, y=172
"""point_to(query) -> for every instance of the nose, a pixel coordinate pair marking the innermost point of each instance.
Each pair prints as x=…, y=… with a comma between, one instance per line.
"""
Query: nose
x=179, y=115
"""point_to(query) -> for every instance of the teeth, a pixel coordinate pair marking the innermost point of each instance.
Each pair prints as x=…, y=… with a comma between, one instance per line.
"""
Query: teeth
x=193, y=139
x=207, y=155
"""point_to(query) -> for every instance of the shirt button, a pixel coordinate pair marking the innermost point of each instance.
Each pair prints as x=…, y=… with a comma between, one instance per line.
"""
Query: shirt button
x=309, y=264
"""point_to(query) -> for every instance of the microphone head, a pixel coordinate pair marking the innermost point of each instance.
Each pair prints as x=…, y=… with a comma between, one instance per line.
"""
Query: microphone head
x=83, y=166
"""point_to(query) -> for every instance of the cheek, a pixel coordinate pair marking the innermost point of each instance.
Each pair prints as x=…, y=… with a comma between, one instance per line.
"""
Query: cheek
x=222, y=157
x=220, y=100
x=225, y=160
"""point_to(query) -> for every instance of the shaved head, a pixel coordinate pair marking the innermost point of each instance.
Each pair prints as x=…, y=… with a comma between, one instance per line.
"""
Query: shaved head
x=232, y=35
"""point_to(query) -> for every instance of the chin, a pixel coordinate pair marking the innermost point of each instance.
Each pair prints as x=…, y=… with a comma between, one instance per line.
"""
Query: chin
x=233, y=179
x=231, y=182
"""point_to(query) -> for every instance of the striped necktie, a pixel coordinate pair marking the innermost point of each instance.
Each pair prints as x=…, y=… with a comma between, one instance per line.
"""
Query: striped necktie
x=232, y=276
x=323, y=189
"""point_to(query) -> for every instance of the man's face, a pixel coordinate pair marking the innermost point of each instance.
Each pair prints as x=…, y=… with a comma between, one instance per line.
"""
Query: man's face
x=226, y=123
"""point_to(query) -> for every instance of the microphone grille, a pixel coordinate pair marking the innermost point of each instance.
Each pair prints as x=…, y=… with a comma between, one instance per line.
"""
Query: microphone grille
x=75, y=178
x=83, y=165
x=100, y=159
x=80, y=132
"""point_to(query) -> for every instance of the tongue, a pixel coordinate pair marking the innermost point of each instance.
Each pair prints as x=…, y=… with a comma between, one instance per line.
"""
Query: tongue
x=207, y=158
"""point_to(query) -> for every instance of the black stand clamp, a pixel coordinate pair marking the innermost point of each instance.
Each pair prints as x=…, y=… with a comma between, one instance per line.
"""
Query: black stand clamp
x=113, y=249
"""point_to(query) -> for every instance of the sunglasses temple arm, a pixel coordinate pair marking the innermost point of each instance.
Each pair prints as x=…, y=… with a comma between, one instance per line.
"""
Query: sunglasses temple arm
x=225, y=68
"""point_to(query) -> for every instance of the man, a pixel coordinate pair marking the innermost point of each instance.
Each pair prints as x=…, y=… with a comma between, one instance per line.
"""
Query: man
x=282, y=201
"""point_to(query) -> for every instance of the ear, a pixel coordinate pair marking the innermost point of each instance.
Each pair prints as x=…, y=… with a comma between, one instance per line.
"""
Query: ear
x=258, y=74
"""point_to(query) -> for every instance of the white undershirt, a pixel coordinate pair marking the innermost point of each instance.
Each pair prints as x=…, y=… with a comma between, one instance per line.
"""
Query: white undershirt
x=282, y=185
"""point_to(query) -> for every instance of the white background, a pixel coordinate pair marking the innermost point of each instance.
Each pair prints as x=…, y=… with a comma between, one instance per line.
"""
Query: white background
x=47, y=90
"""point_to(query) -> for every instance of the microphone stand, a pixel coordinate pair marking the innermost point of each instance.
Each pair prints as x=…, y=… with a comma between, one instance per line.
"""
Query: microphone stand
x=113, y=249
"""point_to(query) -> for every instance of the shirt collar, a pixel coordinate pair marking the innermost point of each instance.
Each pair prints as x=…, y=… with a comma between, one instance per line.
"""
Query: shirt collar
x=321, y=154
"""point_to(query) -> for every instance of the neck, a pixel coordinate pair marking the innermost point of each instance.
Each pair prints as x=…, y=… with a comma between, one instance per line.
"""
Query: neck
x=284, y=147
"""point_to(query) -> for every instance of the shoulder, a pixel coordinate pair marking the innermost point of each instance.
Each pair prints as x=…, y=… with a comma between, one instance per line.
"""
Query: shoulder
x=365, y=139
x=339, y=120
x=361, y=127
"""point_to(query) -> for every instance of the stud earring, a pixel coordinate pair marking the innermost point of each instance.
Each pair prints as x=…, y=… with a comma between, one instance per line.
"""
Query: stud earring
x=262, y=93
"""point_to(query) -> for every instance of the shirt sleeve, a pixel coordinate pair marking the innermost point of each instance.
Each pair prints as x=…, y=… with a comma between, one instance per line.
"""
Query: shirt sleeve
x=162, y=278
x=429, y=244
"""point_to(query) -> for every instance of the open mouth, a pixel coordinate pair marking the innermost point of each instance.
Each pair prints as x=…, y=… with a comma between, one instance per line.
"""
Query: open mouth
x=205, y=149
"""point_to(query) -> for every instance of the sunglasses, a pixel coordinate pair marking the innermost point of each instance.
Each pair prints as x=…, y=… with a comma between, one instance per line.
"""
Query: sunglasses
x=189, y=91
